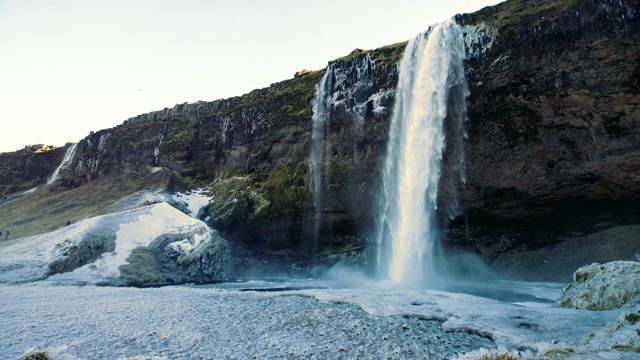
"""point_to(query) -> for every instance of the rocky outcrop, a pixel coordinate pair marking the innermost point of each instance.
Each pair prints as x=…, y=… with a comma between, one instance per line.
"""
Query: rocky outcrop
x=27, y=168
x=552, y=149
x=603, y=286
x=175, y=259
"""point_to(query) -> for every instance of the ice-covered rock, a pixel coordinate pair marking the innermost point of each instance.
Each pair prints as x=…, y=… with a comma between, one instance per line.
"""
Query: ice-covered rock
x=155, y=244
x=193, y=201
x=603, y=286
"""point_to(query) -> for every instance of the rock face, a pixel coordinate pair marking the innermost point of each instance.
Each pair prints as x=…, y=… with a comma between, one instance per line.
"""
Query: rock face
x=27, y=168
x=558, y=262
x=603, y=287
x=554, y=132
x=553, y=146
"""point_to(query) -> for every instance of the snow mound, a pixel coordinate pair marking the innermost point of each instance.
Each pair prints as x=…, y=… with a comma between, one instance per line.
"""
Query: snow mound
x=603, y=286
x=155, y=244
x=143, y=198
x=36, y=257
x=194, y=200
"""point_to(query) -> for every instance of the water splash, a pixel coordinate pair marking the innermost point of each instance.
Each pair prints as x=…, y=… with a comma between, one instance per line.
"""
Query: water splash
x=431, y=88
x=66, y=161
x=320, y=146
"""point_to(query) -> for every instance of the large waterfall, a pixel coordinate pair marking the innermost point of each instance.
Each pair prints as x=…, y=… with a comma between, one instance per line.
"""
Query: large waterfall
x=431, y=80
x=320, y=146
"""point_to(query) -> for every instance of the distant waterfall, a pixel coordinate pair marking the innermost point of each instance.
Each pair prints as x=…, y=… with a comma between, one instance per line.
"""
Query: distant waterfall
x=431, y=67
x=68, y=157
x=320, y=146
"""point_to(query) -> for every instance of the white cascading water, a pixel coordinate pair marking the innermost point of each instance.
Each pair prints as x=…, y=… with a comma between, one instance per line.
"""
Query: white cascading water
x=68, y=157
x=320, y=146
x=431, y=67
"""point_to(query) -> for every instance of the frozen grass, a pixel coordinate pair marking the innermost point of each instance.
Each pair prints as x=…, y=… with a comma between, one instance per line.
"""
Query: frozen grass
x=38, y=355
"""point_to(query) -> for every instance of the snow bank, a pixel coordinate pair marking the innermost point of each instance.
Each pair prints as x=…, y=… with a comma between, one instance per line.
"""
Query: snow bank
x=194, y=200
x=143, y=198
x=36, y=257
x=603, y=286
x=155, y=244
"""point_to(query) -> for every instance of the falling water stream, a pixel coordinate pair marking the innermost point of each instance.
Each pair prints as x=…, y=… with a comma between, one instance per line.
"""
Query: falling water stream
x=407, y=236
x=68, y=157
x=319, y=147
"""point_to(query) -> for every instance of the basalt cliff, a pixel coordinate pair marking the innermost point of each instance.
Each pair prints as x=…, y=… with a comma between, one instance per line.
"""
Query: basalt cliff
x=552, y=152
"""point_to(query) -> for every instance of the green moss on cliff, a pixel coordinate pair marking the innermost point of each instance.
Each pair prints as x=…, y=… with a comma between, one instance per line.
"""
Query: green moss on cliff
x=509, y=15
x=289, y=100
x=389, y=54
x=352, y=55
x=248, y=208
x=233, y=201
x=259, y=196
x=286, y=189
x=385, y=55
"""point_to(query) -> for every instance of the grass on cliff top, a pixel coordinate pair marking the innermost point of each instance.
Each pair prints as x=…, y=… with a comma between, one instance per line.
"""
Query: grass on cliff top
x=295, y=94
x=382, y=56
x=513, y=13
x=48, y=209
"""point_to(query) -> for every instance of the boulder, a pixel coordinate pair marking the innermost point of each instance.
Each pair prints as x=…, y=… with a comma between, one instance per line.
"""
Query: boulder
x=603, y=286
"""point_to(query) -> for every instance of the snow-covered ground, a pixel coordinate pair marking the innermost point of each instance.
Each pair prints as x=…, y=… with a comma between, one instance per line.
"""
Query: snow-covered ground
x=226, y=321
x=195, y=200
x=93, y=250
x=146, y=225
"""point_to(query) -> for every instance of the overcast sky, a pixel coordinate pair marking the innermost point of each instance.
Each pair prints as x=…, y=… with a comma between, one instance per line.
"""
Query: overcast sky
x=70, y=67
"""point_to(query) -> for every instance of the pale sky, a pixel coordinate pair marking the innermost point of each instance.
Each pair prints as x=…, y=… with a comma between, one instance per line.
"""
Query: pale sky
x=68, y=67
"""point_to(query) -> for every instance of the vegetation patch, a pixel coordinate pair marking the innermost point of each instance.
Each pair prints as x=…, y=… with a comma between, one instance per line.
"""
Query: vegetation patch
x=389, y=54
x=385, y=55
x=632, y=318
x=232, y=201
x=631, y=346
x=286, y=189
x=504, y=356
x=557, y=353
x=37, y=355
x=293, y=96
x=508, y=15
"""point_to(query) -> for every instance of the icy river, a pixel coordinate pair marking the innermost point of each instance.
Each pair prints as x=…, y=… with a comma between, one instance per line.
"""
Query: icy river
x=298, y=319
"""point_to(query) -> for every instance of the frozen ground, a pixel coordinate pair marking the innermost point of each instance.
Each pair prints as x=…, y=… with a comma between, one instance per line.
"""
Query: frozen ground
x=95, y=248
x=226, y=321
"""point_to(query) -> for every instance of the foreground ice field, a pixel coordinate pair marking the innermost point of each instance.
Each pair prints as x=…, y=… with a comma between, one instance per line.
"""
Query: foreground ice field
x=296, y=319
